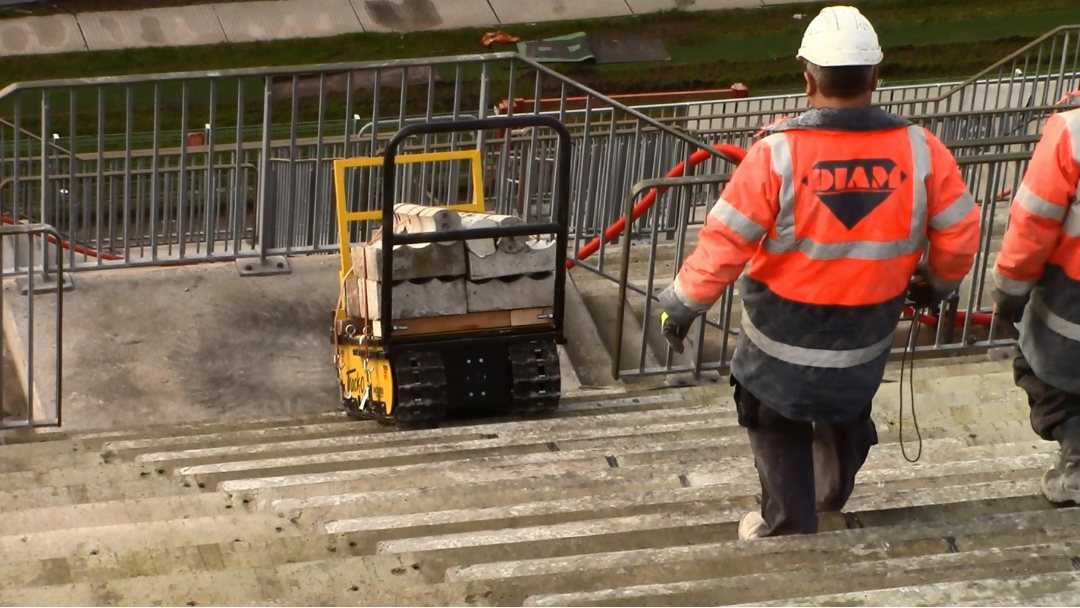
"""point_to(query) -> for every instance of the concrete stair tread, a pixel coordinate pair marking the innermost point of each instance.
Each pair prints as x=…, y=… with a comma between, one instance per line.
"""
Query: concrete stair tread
x=613, y=423
x=732, y=442
x=590, y=572
x=117, y=538
x=680, y=482
x=350, y=581
x=79, y=493
x=882, y=501
x=865, y=575
x=950, y=593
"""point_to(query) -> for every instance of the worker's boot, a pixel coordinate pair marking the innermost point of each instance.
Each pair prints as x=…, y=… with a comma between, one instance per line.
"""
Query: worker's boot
x=1061, y=484
x=751, y=526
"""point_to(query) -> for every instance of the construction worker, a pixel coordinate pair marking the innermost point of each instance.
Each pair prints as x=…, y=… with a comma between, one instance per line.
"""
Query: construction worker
x=1037, y=292
x=832, y=209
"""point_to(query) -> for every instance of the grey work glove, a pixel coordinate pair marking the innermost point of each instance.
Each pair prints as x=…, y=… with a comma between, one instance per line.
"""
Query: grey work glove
x=1008, y=310
x=674, y=332
x=676, y=318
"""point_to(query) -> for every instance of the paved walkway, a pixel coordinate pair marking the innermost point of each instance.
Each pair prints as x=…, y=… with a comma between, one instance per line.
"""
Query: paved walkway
x=286, y=19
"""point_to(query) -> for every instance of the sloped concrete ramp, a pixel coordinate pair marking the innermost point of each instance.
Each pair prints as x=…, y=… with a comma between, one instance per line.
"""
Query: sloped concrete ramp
x=177, y=344
x=190, y=343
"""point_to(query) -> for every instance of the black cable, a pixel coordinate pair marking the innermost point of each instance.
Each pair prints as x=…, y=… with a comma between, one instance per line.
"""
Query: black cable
x=908, y=348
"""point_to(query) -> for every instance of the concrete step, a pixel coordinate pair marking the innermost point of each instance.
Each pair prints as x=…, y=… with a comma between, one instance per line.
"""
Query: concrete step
x=511, y=582
x=352, y=581
x=81, y=493
x=126, y=537
x=868, y=576
x=677, y=528
x=503, y=468
x=1056, y=583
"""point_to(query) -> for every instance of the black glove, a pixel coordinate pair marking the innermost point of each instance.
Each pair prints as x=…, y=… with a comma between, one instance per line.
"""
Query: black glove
x=1008, y=310
x=674, y=333
x=1008, y=319
x=923, y=295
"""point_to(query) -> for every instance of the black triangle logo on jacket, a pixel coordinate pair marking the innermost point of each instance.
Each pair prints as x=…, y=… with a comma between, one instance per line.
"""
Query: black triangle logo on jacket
x=853, y=189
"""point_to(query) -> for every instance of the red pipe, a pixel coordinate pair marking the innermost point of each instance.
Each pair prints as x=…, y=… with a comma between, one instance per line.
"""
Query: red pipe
x=66, y=245
x=643, y=205
x=978, y=319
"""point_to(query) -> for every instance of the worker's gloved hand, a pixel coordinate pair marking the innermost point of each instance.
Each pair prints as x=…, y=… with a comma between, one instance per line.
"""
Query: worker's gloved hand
x=923, y=295
x=674, y=333
x=1008, y=310
x=1008, y=319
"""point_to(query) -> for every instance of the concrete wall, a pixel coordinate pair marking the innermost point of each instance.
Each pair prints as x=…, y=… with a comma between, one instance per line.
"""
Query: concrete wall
x=285, y=19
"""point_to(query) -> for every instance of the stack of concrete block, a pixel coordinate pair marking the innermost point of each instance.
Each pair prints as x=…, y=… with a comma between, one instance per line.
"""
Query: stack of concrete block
x=453, y=277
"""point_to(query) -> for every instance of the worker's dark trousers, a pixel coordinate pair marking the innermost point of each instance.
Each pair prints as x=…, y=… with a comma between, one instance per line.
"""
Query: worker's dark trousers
x=804, y=467
x=1049, y=406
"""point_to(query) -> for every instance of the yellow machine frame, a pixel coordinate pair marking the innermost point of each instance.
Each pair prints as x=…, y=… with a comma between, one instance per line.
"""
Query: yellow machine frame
x=363, y=368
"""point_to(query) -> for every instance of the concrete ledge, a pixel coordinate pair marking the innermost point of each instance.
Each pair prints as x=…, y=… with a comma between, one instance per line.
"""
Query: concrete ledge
x=41, y=35
x=419, y=15
x=276, y=20
x=652, y=6
x=519, y=11
x=182, y=26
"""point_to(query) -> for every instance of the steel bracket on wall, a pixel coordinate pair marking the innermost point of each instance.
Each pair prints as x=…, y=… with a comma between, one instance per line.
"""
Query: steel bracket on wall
x=260, y=267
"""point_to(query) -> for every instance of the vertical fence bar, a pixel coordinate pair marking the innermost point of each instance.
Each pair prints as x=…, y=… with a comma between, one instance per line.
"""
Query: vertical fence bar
x=262, y=207
x=46, y=189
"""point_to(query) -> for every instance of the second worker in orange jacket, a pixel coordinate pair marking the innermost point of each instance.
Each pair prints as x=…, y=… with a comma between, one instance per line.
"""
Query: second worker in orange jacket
x=833, y=210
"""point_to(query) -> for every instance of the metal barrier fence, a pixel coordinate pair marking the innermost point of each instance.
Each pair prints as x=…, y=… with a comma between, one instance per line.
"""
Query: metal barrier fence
x=227, y=189
x=238, y=161
x=32, y=345
x=647, y=264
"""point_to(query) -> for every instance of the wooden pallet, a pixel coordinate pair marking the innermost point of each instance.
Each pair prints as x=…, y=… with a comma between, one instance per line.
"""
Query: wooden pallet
x=476, y=321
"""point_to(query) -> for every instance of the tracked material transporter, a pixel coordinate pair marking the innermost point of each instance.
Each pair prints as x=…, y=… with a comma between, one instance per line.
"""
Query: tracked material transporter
x=453, y=310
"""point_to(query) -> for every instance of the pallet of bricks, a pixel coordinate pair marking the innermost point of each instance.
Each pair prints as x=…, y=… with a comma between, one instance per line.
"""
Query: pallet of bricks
x=474, y=284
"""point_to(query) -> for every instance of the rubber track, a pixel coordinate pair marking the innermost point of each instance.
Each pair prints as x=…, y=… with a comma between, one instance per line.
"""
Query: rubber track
x=420, y=398
x=537, y=380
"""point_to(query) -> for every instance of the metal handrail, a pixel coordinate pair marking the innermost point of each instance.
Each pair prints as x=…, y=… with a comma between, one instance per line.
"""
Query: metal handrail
x=43, y=230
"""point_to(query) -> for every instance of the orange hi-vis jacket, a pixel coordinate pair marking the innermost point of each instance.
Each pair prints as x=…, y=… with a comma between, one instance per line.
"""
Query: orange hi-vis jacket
x=1039, y=262
x=833, y=211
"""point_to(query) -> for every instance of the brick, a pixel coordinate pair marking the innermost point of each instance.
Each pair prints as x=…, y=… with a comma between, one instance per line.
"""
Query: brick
x=421, y=261
x=413, y=299
x=524, y=291
x=422, y=218
x=508, y=244
x=538, y=255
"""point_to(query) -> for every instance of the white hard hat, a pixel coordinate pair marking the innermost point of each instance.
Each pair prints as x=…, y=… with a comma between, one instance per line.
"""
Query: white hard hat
x=840, y=35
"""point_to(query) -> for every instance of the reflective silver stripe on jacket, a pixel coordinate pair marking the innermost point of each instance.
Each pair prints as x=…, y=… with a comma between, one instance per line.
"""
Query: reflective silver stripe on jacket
x=785, y=240
x=734, y=219
x=683, y=297
x=813, y=357
x=1036, y=205
x=1012, y=286
x=1056, y=323
x=953, y=213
